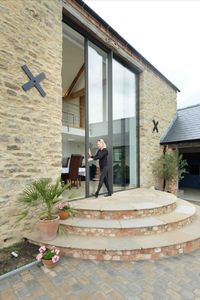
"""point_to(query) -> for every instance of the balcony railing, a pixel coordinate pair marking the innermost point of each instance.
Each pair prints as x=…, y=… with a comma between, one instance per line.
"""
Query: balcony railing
x=68, y=119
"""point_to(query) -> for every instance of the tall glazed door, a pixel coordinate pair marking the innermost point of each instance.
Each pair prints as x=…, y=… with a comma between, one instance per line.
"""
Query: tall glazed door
x=124, y=128
x=97, y=109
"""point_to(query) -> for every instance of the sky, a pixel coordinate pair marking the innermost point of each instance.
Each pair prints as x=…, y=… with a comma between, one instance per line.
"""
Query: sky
x=166, y=33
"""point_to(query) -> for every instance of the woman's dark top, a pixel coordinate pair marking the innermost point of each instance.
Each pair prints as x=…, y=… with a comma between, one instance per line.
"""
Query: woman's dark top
x=102, y=155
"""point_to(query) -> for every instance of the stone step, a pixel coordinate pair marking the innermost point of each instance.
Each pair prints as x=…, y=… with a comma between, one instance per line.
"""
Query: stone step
x=182, y=215
x=155, y=246
x=135, y=203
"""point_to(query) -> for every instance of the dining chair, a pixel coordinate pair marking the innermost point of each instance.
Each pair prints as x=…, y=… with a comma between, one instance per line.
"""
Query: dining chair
x=74, y=165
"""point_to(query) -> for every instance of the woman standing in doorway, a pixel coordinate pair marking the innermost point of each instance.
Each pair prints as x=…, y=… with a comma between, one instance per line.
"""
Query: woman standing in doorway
x=102, y=155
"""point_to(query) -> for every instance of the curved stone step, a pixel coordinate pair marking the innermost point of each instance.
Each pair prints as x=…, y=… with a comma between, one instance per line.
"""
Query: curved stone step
x=175, y=242
x=182, y=215
x=135, y=203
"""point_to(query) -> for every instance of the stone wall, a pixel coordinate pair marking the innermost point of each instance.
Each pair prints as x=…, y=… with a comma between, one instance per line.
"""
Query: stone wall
x=30, y=125
x=157, y=101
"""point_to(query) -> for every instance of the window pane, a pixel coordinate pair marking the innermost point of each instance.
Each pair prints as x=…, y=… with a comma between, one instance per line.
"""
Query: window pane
x=98, y=106
x=124, y=128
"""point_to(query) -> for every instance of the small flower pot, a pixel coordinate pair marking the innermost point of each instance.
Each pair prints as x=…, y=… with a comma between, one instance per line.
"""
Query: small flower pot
x=63, y=214
x=48, y=263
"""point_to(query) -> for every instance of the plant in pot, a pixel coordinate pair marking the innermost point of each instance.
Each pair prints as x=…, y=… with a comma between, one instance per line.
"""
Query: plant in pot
x=169, y=167
x=49, y=257
x=45, y=194
x=65, y=210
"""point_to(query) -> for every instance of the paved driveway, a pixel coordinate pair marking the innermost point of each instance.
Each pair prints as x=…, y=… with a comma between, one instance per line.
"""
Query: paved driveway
x=172, y=278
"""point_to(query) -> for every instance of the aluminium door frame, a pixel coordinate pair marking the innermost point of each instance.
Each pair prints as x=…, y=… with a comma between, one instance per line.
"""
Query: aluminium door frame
x=110, y=126
x=88, y=37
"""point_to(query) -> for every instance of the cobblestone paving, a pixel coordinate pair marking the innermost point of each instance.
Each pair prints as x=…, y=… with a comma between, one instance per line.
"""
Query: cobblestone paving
x=172, y=278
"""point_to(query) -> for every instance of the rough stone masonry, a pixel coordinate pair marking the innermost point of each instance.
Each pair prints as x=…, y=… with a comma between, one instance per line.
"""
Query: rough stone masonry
x=30, y=125
x=30, y=135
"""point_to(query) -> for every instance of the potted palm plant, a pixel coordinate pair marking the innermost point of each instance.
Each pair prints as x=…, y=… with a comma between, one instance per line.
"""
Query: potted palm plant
x=168, y=167
x=46, y=194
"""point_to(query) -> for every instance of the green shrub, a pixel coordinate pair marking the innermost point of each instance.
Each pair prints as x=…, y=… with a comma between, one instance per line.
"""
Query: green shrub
x=169, y=166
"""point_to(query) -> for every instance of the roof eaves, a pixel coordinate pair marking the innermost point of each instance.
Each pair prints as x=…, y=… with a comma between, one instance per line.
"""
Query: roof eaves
x=188, y=107
x=163, y=139
x=180, y=141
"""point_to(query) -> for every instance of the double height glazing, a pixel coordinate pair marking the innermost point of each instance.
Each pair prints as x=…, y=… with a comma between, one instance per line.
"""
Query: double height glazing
x=99, y=102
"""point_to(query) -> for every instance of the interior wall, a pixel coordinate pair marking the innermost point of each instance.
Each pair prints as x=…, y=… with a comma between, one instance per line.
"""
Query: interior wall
x=73, y=139
x=72, y=147
x=73, y=59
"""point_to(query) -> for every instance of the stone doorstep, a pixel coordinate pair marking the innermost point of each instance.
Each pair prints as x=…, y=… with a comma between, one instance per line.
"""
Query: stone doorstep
x=127, y=231
x=176, y=241
x=136, y=199
x=125, y=214
x=182, y=215
x=140, y=202
x=188, y=234
x=133, y=255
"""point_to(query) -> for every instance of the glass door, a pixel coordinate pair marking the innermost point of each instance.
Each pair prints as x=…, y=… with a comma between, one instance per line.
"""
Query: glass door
x=73, y=113
x=124, y=128
x=97, y=108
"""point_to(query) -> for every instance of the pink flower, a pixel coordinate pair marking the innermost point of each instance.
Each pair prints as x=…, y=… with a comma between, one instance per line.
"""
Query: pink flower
x=55, y=258
x=60, y=206
x=42, y=249
x=39, y=256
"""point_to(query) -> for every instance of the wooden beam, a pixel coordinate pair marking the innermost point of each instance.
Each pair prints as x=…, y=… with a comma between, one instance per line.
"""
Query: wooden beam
x=82, y=111
x=77, y=94
x=74, y=81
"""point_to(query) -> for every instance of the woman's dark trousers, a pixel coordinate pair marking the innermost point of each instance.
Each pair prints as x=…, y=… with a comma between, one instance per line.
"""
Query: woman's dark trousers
x=103, y=179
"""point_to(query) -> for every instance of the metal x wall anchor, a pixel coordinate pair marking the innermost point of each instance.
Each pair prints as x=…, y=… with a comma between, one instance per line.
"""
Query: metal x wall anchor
x=155, y=126
x=34, y=81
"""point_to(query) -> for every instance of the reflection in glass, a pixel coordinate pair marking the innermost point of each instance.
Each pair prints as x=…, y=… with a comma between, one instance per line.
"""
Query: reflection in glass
x=124, y=128
x=98, y=106
x=73, y=114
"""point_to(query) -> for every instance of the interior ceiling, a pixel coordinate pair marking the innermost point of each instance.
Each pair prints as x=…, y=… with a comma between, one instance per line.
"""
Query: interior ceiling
x=73, y=57
x=73, y=138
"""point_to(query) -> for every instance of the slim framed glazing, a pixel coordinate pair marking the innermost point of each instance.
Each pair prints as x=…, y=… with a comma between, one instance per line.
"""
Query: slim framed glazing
x=110, y=117
x=111, y=56
x=86, y=120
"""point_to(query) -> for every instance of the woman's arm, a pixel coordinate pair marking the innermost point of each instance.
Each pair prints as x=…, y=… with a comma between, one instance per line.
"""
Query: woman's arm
x=89, y=153
x=100, y=154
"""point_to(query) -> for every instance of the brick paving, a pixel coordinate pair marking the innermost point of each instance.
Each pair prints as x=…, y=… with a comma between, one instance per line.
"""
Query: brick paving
x=73, y=279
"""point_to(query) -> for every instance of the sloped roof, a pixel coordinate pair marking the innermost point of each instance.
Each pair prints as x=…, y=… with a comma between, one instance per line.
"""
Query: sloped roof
x=184, y=127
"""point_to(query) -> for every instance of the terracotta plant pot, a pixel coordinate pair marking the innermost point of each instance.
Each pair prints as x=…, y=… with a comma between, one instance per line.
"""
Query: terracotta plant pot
x=63, y=214
x=48, y=263
x=48, y=228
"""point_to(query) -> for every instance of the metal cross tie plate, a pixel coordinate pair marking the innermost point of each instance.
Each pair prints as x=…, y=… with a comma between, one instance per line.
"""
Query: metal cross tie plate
x=34, y=81
x=155, y=126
